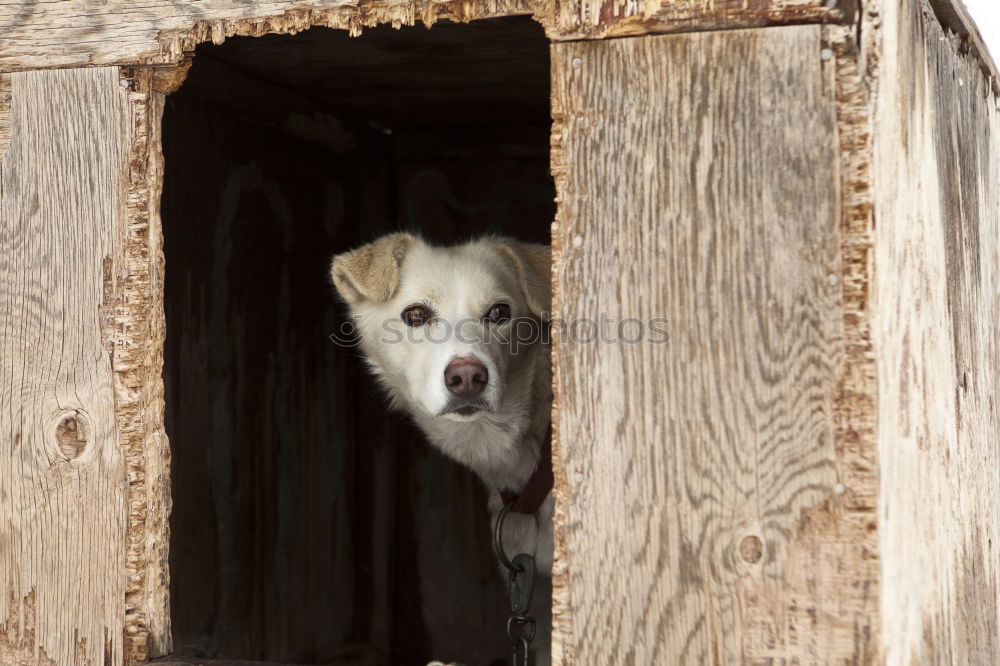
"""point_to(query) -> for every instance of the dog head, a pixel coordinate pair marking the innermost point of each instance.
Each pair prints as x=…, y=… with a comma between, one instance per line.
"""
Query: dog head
x=446, y=328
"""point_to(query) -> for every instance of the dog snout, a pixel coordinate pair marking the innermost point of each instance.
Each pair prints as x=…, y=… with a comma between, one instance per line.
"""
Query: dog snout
x=466, y=377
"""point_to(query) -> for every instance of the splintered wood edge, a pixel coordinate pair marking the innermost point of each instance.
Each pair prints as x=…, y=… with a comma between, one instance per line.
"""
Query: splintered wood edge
x=562, y=605
x=133, y=325
x=856, y=414
x=175, y=45
x=559, y=25
x=855, y=409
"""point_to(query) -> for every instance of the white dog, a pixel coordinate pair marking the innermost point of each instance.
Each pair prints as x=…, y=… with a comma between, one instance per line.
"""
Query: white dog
x=453, y=334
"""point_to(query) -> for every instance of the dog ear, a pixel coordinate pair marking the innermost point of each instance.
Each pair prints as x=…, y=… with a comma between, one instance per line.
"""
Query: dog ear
x=371, y=272
x=534, y=269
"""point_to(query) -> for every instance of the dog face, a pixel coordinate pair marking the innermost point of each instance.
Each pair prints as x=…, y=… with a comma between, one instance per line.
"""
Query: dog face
x=446, y=328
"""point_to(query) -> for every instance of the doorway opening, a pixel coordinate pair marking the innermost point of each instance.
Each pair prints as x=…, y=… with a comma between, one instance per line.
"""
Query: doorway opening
x=310, y=526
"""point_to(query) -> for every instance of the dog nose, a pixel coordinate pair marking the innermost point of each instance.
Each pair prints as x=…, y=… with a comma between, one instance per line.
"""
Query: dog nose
x=466, y=377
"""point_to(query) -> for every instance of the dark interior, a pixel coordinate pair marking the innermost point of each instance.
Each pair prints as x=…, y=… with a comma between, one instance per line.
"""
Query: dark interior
x=310, y=526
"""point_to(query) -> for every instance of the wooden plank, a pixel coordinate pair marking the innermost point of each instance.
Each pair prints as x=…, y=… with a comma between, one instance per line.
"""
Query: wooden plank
x=937, y=163
x=63, y=473
x=590, y=19
x=714, y=492
x=81, y=32
x=85, y=475
x=78, y=32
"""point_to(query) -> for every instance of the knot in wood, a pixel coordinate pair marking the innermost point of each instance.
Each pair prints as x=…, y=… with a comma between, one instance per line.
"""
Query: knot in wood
x=751, y=549
x=72, y=433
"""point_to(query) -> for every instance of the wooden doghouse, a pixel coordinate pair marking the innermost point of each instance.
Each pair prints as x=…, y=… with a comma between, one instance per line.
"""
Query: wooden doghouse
x=807, y=192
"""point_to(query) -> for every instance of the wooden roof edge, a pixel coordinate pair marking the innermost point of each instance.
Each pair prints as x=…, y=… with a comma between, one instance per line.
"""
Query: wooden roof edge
x=953, y=15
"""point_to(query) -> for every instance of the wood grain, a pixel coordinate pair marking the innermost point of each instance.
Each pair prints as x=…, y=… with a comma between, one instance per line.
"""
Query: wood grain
x=64, y=478
x=937, y=286
x=589, y=19
x=4, y=114
x=81, y=32
x=707, y=511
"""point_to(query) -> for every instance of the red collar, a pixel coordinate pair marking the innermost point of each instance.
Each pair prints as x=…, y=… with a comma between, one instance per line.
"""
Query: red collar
x=530, y=499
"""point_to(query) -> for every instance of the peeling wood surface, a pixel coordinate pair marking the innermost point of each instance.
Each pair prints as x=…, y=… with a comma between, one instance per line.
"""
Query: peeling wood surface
x=65, y=475
x=135, y=328
x=937, y=289
x=81, y=32
x=715, y=493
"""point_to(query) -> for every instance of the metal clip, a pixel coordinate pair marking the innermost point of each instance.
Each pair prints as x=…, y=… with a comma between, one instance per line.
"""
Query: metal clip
x=521, y=585
x=520, y=640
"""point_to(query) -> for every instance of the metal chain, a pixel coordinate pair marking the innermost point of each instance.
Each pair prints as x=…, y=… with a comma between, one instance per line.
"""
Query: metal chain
x=520, y=587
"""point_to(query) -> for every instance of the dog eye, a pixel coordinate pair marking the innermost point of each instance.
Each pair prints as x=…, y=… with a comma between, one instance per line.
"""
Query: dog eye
x=416, y=315
x=499, y=313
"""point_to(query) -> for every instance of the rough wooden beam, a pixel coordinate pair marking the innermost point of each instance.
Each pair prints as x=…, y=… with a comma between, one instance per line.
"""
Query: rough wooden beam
x=589, y=19
x=80, y=32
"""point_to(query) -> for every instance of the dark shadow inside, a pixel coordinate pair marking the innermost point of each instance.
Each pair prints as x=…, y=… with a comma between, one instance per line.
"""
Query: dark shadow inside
x=309, y=526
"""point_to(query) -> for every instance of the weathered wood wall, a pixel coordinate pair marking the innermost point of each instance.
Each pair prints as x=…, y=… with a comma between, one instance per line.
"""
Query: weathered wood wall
x=710, y=505
x=80, y=32
x=308, y=527
x=937, y=295
x=754, y=424
x=79, y=377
